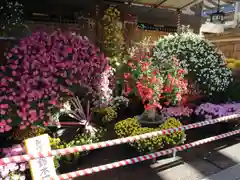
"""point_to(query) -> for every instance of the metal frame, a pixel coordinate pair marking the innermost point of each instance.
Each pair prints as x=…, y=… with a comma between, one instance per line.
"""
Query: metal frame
x=153, y=6
x=159, y=3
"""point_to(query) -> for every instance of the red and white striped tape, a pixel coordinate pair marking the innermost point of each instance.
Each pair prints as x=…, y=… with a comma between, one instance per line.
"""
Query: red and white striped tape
x=114, y=142
x=138, y=159
x=65, y=124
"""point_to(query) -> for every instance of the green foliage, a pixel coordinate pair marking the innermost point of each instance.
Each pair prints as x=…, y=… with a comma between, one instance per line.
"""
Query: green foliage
x=119, y=102
x=174, y=138
x=28, y=133
x=131, y=127
x=150, y=144
x=155, y=84
x=231, y=66
x=237, y=64
x=57, y=143
x=126, y=127
x=84, y=138
x=233, y=91
x=113, y=42
x=106, y=114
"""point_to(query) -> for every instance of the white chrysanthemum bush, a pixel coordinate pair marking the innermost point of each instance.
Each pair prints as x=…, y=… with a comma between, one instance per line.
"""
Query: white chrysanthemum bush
x=204, y=65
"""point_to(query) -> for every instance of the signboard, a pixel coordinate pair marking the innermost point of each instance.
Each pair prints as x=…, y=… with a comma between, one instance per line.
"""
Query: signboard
x=42, y=168
x=153, y=27
x=50, y=17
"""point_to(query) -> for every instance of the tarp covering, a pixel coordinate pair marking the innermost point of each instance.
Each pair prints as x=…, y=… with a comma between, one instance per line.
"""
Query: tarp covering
x=183, y=4
x=211, y=4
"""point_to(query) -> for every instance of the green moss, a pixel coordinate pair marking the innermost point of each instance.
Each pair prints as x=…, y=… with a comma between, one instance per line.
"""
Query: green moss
x=106, y=114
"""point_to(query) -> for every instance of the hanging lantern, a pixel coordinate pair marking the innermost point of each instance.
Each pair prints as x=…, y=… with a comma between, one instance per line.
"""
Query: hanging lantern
x=217, y=17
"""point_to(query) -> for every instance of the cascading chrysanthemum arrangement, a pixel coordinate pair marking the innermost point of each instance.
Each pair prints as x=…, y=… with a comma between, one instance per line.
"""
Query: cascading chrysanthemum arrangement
x=155, y=87
x=42, y=70
x=203, y=64
x=113, y=37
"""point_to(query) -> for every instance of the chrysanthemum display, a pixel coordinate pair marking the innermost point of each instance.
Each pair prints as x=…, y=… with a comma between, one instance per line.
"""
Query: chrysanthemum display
x=113, y=36
x=211, y=111
x=203, y=64
x=178, y=111
x=155, y=87
x=144, y=81
x=43, y=69
x=175, y=86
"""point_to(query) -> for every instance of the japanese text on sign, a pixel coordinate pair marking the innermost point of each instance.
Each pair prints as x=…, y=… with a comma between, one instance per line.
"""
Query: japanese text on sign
x=41, y=168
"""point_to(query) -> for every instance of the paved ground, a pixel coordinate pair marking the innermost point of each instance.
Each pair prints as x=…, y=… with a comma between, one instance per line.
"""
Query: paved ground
x=231, y=173
x=200, y=163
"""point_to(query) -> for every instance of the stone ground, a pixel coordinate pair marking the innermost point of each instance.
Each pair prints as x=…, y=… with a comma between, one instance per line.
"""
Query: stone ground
x=231, y=173
x=213, y=161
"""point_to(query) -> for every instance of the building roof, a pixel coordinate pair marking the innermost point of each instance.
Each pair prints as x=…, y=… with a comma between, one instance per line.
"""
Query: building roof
x=183, y=5
x=166, y=3
x=211, y=6
x=163, y=11
x=186, y=6
x=148, y=11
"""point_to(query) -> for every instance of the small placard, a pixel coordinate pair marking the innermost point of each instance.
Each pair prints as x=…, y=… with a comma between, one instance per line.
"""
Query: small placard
x=41, y=168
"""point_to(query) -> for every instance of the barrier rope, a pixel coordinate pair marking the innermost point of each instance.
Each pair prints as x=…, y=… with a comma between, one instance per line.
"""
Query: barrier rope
x=88, y=147
x=138, y=159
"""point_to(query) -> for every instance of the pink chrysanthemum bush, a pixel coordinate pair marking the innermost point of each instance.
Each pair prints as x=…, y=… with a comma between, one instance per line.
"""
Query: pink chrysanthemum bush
x=44, y=70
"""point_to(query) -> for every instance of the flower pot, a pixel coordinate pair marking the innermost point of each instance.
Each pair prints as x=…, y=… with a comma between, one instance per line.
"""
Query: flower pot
x=150, y=118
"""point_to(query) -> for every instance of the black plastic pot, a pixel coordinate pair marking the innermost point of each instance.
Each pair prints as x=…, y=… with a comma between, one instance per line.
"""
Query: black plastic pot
x=150, y=119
